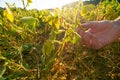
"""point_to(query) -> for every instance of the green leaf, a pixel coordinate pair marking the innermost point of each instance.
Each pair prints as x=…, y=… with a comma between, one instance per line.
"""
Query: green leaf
x=0, y=22
x=48, y=47
x=2, y=78
x=2, y=70
x=77, y=37
x=26, y=47
x=52, y=35
x=30, y=21
x=72, y=36
x=26, y=65
x=0, y=30
x=12, y=31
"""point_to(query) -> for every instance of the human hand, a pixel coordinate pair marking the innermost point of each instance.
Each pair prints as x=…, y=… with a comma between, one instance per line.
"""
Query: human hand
x=99, y=33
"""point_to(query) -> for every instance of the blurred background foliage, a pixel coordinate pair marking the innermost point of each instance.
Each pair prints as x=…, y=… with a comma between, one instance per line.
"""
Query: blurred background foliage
x=43, y=45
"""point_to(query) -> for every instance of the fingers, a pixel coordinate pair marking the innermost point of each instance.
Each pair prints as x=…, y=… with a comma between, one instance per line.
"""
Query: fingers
x=91, y=41
x=91, y=24
x=94, y=37
x=80, y=31
x=117, y=40
x=86, y=37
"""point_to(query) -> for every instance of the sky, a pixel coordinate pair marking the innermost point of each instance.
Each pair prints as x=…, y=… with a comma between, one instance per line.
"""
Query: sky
x=38, y=4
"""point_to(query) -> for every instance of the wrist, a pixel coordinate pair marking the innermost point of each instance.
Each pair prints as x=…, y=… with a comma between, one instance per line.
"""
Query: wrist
x=116, y=24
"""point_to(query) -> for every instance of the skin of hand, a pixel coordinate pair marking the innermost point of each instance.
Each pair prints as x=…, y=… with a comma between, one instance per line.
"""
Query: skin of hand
x=99, y=33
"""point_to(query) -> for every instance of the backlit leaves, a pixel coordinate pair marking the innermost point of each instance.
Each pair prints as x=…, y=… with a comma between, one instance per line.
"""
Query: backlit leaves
x=72, y=36
x=8, y=13
x=57, y=23
x=30, y=21
x=86, y=9
x=29, y=1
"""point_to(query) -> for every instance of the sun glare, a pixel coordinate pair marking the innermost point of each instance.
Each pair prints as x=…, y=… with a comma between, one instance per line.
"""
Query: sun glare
x=49, y=4
x=39, y=4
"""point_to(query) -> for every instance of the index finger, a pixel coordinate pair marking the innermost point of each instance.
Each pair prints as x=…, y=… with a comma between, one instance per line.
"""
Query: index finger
x=91, y=24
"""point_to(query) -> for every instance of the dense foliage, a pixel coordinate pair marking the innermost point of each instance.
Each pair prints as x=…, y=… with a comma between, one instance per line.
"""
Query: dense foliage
x=43, y=45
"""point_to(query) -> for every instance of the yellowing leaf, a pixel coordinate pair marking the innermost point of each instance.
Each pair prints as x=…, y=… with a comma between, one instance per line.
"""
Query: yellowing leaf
x=19, y=29
x=57, y=23
x=29, y=1
x=8, y=13
x=84, y=11
x=5, y=13
x=10, y=17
